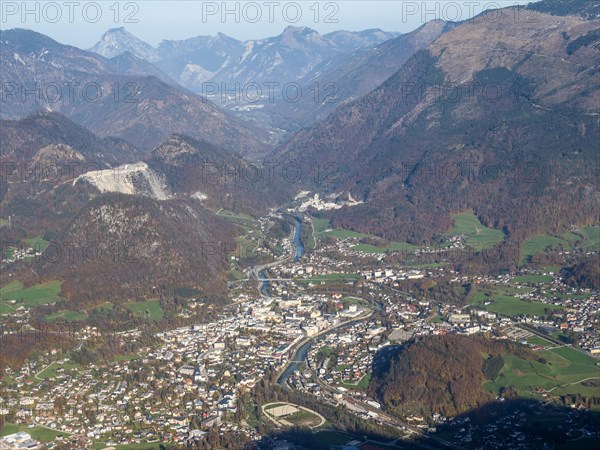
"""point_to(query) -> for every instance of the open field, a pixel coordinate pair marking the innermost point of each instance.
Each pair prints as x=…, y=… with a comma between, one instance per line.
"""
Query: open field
x=104, y=306
x=150, y=309
x=344, y=234
x=329, y=277
x=320, y=224
x=140, y=446
x=322, y=228
x=39, y=294
x=362, y=384
x=559, y=368
x=54, y=369
x=536, y=340
x=587, y=238
x=403, y=247
x=38, y=433
x=245, y=247
x=478, y=235
x=352, y=301
x=539, y=244
x=303, y=418
x=38, y=243
x=67, y=316
x=591, y=237
x=532, y=279
x=510, y=306
x=236, y=217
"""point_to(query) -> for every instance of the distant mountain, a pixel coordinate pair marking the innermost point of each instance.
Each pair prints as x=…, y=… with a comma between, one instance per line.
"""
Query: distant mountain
x=226, y=69
x=350, y=41
x=129, y=64
x=117, y=41
x=22, y=139
x=142, y=110
x=196, y=60
x=282, y=59
x=347, y=77
x=526, y=124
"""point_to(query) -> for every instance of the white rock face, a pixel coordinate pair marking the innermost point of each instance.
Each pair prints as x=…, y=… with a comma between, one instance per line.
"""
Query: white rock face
x=199, y=196
x=195, y=75
x=133, y=179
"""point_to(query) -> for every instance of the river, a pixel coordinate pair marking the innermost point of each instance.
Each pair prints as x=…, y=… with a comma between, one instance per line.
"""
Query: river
x=299, y=358
x=298, y=239
x=264, y=288
x=301, y=353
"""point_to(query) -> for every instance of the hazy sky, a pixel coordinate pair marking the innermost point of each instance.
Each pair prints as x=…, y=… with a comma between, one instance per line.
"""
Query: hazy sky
x=81, y=22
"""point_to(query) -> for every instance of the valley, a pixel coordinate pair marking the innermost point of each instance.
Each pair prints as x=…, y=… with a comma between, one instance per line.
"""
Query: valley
x=301, y=235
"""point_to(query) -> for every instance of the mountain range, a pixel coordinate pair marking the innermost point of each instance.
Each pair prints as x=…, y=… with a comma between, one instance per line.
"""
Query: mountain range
x=99, y=94
x=222, y=59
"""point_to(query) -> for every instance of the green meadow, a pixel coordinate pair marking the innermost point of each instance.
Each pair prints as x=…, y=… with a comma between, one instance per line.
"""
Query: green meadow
x=506, y=305
x=38, y=433
x=562, y=368
x=67, y=316
x=533, y=279
x=149, y=309
x=478, y=235
x=38, y=243
x=39, y=294
x=323, y=228
x=587, y=238
x=53, y=369
x=330, y=277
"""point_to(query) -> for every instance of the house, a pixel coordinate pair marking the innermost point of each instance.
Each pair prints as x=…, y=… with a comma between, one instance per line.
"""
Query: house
x=210, y=422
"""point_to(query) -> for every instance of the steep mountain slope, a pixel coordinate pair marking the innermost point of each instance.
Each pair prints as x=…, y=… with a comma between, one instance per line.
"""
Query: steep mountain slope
x=134, y=179
x=196, y=60
x=41, y=156
x=129, y=64
x=143, y=110
x=122, y=247
x=587, y=9
x=220, y=179
x=282, y=58
x=507, y=126
x=585, y=274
